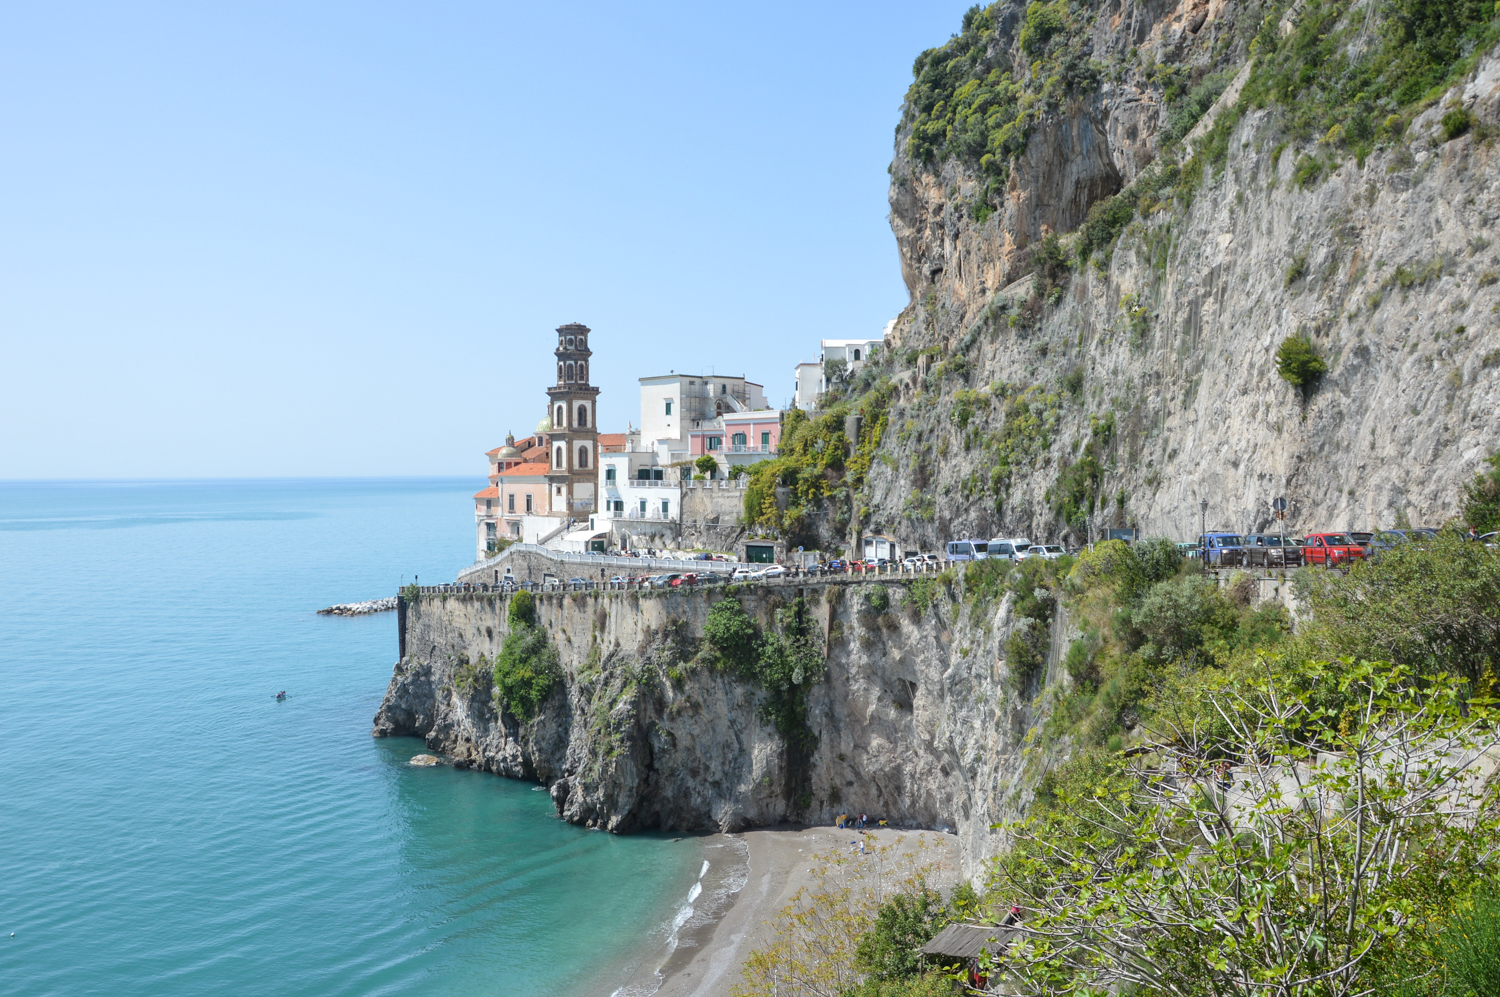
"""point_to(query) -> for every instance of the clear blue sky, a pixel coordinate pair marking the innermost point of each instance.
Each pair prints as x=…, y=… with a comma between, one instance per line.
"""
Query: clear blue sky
x=333, y=239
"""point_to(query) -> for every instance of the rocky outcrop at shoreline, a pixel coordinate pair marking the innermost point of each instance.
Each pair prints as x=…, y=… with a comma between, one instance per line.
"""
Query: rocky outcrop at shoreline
x=919, y=721
x=386, y=605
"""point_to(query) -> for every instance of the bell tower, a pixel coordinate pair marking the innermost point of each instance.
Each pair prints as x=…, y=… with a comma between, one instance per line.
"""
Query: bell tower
x=573, y=474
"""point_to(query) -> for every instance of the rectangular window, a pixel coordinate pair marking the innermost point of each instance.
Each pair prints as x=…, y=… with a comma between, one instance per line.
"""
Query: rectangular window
x=669, y=406
x=528, y=502
x=511, y=501
x=643, y=507
x=765, y=440
x=713, y=442
x=609, y=474
x=664, y=509
x=739, y=439
x=489, y=505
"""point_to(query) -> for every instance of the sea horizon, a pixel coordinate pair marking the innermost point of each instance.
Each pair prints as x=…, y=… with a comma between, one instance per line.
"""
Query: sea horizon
x=174, y=829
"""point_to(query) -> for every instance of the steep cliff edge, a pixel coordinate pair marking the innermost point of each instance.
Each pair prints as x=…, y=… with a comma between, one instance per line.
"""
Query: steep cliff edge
x=1126, y=372
x=919, y=721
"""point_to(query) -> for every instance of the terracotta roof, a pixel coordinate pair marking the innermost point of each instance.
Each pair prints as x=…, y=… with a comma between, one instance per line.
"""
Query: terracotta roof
x=490, y=492
x=535, y=452
x=612, y=442
x=491, y=453
x=538, y=467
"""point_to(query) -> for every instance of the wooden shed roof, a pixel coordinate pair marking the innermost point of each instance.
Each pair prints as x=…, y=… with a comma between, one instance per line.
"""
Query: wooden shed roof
x=967, y=941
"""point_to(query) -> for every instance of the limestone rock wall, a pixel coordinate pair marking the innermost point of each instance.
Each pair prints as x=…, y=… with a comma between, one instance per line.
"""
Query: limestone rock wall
x=918, y=721
x=1389, y=266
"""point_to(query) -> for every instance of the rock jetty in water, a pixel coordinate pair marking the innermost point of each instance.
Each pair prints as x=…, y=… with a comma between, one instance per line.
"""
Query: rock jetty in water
x=360, y=608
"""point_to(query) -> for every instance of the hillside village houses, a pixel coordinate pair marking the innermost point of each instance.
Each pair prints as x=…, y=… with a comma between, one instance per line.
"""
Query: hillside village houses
x=573, y=488
x=812, y=377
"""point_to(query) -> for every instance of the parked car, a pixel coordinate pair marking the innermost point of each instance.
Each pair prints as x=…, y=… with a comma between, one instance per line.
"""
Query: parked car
x=684, y=580
x=663, y=581
x=1047, y=552
x=1331, y=549
x=771, y=571
x=1266, y=550
x=1362, y=537
x=618, y=580
x=1221, y=550
x=741, y=574
x=578, y=581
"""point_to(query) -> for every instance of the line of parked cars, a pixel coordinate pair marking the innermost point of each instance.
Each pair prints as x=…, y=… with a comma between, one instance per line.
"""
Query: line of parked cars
x=1007, y=548
x=1276, y=550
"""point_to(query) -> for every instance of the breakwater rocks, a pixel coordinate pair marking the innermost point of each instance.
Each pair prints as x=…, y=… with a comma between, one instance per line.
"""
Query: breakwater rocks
x=386, y=605
x=919, y=721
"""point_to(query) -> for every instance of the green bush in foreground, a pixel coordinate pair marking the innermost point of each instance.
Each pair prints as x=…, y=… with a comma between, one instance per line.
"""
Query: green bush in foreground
x=1482, y=498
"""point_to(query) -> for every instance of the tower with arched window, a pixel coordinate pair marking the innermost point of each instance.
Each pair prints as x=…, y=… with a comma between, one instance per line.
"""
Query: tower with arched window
x=572, y=406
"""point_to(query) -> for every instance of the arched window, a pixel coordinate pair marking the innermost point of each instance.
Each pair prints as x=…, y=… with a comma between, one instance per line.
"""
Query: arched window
x=557, y=457
x=557, y=423
x=856, y=353
x=718, y=408
x=559, y=372
x=570, y=342
x=583, y=372
x=583, y=342
x=583, y=415
x=583, y=456
x=570, y=370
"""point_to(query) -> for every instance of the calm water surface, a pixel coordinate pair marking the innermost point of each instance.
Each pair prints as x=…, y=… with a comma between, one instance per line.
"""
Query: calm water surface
x=168, y=828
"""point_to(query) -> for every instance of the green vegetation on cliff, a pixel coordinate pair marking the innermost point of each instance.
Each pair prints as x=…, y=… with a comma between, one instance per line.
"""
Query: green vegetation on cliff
x=786, y=661
x=526, y=670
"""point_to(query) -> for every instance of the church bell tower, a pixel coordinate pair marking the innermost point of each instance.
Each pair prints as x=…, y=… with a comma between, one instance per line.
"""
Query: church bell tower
x=573, y=474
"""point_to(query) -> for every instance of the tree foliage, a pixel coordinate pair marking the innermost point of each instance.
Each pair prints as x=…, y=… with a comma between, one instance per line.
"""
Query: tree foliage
x=812, y=950
x=786, y=661
x=1298, y=361
x=526, y=671
x=1432, y=605
x=1482, y=498
x=1284, y=867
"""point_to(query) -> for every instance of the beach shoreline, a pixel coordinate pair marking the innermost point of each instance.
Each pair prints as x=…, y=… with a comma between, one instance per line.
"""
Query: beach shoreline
x=708, y=951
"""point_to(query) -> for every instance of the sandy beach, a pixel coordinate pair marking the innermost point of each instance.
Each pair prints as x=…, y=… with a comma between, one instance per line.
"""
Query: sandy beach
x=709, y=954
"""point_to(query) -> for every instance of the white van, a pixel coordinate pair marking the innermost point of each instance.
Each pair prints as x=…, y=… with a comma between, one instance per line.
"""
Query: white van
x=1010, y=548
x=967, y=550
x=1001, y=547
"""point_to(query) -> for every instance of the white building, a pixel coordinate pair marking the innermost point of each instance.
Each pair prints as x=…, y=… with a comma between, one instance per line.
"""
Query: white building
x=855, y=353
x=809, y=386
x=634, y=485
x=673, y=405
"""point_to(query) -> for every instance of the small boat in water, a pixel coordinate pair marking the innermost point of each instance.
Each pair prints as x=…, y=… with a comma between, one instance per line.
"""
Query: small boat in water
x=281, y=695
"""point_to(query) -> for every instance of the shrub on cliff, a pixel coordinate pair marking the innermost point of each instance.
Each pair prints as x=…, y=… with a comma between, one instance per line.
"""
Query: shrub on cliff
x=731, y=633
x=1298, y=361
x=526, y=669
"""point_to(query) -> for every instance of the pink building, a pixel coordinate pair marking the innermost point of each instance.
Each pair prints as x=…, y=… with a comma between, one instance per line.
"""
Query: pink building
x=737, y=438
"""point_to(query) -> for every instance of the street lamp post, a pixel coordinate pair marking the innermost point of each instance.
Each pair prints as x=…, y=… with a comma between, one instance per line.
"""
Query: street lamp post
x=1203, y=518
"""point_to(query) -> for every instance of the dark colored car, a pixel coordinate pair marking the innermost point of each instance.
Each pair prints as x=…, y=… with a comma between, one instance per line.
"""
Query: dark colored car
x=1221, y=550
x=663, y=581
x=1267, y=550
x=1331, y=550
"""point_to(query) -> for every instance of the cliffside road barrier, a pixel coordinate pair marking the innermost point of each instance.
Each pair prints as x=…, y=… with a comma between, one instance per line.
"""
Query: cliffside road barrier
x=792, y=577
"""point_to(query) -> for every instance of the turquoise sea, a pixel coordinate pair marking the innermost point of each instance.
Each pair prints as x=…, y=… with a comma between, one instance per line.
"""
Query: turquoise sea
x=168, y=828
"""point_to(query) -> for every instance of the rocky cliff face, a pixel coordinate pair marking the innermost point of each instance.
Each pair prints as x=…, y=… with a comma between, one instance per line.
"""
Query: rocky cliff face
x=919, y=721
x=1158, y=361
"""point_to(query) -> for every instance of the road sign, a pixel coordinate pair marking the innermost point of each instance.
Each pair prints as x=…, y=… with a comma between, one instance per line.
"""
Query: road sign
x=1279, y=504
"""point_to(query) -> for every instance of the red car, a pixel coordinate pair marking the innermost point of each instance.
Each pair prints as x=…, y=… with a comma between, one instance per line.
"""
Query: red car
x=1331, y=549
x=690, y=578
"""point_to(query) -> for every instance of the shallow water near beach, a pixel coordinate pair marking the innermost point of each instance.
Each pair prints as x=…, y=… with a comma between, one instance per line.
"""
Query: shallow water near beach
x=169, y=828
